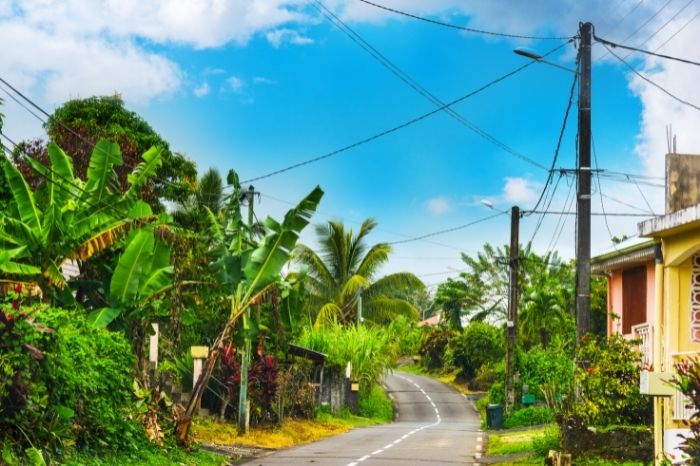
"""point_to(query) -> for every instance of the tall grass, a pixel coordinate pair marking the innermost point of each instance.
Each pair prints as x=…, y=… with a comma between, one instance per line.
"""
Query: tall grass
x=370, y=349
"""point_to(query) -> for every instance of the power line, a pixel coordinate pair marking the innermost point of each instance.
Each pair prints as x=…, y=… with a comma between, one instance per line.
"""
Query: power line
x=634, y=33
x=402, y=125
x=663, y=26
x=460, y=28
x=678, y=31
x=413, y=84
x=661, y=88
x=608, y=43
x=556, y=154
x=330, y=215
x=615, y=214
x=448, y=230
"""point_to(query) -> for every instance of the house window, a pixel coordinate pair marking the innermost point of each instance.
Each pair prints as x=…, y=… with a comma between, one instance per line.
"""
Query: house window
x=695, y=301
x=634, y=298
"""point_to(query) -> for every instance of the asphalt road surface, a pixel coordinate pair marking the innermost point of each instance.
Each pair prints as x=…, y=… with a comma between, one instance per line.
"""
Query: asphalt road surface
x=436, y=426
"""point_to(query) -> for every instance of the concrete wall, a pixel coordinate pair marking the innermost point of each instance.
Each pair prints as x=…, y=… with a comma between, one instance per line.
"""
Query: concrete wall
x=682, y=181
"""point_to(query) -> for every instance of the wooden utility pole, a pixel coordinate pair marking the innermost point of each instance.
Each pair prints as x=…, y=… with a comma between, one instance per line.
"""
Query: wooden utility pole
x=583, y=204
x=243, y=411
x=512, y=321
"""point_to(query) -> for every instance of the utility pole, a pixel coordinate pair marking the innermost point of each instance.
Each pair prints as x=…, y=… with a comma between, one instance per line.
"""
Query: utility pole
x=243, y=405
x=512, y=321
x=583, y=203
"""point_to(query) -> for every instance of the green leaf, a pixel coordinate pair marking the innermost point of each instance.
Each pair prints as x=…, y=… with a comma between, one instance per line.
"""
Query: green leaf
x=152, y=159
x=35, y=457
x=63, y=182
x=8, y=456
x=101, y=178
x=158, y=281
x=23, y=196
x=102, y=317
x=265, y=263
x=124, y=286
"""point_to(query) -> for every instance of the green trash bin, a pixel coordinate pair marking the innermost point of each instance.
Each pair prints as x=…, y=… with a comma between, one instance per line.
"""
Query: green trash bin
x=494, y=416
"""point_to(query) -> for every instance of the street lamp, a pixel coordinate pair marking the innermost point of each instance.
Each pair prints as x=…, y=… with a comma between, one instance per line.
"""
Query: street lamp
x=537, y=57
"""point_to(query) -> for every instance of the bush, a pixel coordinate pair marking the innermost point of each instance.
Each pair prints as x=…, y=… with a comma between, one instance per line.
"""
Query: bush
x=375, y=404
x=71, y=384
x=552, y=368
x=550, y=441
x=432, y=347
x=530, y=416
x=480, y=343
x=609, y=381
x=406, y=336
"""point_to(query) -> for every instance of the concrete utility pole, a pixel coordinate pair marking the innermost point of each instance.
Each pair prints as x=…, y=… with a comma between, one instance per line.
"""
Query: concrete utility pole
x=243, y=405
x=512, y=321
x=583, y=207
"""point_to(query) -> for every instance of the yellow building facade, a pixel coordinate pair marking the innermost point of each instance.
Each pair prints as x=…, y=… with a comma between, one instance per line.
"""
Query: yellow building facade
x=677, y=314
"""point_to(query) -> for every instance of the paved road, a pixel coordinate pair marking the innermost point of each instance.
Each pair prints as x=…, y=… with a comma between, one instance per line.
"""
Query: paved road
x=435, y=426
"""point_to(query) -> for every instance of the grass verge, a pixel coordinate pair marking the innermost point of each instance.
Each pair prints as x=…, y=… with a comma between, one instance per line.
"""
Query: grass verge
x=152, y=456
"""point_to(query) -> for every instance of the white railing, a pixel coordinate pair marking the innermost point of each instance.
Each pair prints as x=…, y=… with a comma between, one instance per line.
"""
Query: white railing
x=643, y=332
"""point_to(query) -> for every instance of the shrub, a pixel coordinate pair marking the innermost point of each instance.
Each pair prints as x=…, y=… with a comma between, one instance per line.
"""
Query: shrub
x=551, y=367
x=432, y=347
x=530, y=416
x=480, y=343
x=406, y=336
x=549, y=441
x=70, y=384
x=375, y=404
x=609, y=380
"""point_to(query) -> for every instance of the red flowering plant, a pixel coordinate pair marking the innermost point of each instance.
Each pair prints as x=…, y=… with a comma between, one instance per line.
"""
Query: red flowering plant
x=263, y=375
x=687, y=381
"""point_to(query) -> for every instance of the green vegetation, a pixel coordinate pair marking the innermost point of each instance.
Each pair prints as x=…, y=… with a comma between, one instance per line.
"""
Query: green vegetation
x=538, y=441
x=345, y=269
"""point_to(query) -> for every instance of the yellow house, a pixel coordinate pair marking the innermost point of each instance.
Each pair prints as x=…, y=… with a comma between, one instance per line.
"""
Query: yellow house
x=677, y=309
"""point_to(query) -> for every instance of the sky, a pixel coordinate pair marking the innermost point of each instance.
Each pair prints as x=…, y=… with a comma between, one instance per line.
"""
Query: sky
x=261, y=85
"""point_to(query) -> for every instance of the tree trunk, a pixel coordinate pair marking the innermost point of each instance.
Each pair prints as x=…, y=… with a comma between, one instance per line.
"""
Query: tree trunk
x=182, y=426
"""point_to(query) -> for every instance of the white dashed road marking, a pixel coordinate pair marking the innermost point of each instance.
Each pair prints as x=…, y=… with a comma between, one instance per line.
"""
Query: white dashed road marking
x=404, y=437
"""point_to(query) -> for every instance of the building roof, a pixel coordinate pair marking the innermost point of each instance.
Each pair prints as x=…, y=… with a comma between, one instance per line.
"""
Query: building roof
x=632, y=251
x=675, y=222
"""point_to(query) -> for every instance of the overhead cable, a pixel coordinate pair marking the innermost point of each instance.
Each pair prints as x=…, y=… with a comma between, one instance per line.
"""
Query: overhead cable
x=413, y=84
x=402, y=125
x=658, y=86
x=461, y=28
x=612, y=44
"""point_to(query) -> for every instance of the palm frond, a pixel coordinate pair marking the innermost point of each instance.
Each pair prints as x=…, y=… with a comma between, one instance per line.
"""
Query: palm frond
x=382, y=310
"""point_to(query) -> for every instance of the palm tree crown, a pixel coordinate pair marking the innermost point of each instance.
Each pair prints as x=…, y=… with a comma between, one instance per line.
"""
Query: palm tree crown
x=344, y=271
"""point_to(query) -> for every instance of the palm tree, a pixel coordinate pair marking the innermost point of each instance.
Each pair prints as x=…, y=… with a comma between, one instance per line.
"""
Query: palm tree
x=208, y=193
x=341, y=277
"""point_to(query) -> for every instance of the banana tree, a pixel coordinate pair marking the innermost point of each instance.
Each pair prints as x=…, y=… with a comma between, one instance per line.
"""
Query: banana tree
x=66, y=218
x=248, y=272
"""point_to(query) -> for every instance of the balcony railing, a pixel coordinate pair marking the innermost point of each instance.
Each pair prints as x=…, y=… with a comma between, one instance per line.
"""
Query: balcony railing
x=642, y=332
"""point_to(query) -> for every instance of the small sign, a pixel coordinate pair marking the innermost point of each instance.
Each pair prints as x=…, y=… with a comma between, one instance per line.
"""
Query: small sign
x=655, y=383
x=199, y=352
x=354, y=387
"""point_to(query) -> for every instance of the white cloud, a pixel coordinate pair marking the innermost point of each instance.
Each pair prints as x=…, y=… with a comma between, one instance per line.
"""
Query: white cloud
x=518, y=190
x=70, y=66
x=202, y=90
x=262, y=80
x=235, y=83
x=660, y=110
x=279, y=37
x=438, y=205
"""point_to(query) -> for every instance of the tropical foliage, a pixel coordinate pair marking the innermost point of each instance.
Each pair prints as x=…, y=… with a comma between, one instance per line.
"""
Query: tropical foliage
x=66, y=218
x=342, y=278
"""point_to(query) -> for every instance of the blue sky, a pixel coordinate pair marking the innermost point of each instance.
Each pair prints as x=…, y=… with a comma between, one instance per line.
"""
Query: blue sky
x=260, y=85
